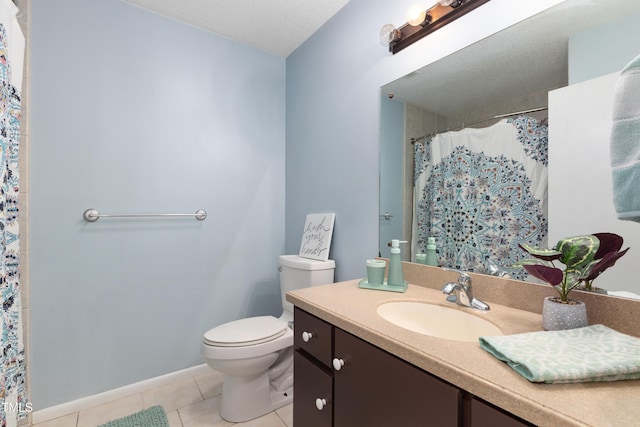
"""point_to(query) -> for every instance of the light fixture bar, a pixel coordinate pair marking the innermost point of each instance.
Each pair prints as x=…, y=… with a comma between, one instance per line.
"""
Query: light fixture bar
x=440, y=16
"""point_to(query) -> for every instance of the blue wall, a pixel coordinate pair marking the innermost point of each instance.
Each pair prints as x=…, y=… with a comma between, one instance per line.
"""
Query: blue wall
x=333, y=109
x=603, y=50
x=392, y=125
x=133, y=113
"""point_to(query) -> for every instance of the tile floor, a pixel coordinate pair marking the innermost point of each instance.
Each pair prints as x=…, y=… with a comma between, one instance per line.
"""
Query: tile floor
x=190, y=402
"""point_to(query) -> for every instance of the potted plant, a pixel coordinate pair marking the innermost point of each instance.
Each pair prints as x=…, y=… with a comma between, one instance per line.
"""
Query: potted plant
x=608, y=253
x=585, y=258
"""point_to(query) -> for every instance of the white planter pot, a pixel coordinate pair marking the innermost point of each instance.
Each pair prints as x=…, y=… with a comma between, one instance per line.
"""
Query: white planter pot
x=557, y=316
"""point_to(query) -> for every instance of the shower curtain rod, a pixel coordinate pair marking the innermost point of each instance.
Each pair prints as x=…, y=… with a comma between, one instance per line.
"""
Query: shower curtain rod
x=499, y=116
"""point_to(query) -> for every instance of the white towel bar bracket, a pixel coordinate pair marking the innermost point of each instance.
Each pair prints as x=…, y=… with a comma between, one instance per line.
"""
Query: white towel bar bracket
x=92, y=215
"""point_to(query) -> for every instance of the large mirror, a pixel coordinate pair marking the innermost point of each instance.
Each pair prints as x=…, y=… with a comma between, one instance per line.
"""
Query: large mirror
x=523, y=68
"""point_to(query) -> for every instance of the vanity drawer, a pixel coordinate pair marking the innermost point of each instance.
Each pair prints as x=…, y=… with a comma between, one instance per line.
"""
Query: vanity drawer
x=313, y=397
x=313, y=335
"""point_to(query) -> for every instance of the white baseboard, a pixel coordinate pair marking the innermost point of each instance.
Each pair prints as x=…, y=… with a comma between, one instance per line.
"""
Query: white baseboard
x=63, y=409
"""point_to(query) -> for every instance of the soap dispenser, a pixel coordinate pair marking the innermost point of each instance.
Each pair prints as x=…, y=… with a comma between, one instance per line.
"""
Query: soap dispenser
x=396, y=276
x=395, y=280
x=432, y=256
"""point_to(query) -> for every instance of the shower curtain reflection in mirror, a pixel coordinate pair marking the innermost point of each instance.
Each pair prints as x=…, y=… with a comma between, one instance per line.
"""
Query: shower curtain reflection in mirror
x=481, y=192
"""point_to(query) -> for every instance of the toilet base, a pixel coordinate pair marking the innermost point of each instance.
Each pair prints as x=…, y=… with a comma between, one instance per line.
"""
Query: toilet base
x=246, y=398
x=237, y=411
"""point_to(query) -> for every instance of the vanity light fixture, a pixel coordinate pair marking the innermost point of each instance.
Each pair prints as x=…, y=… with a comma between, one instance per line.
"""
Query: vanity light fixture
x=421, y=21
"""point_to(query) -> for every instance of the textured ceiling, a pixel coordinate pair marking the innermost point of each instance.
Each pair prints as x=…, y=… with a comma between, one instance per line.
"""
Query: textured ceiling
x=275, y=26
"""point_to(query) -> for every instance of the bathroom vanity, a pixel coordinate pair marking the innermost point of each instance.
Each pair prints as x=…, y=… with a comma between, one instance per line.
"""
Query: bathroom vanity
x=372, y=387
x=352, y=367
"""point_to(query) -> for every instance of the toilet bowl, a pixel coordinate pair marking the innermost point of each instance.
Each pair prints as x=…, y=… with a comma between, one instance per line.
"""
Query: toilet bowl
x=252, y=354
x=255, y=354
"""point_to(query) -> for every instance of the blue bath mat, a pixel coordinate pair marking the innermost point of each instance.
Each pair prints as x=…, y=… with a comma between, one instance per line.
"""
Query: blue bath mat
x=152, y=417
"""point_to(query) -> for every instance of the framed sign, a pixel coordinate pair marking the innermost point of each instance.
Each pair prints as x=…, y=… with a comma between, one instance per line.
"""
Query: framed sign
x=316, y=238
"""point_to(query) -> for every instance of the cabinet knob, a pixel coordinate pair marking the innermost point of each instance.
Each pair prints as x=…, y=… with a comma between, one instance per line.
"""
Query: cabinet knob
x=338, y=364
x=306, y=336
x=320, y=403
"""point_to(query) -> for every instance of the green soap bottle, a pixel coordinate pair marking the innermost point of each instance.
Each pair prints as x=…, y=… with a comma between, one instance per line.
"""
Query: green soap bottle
x=396, y=276
x=432, y=256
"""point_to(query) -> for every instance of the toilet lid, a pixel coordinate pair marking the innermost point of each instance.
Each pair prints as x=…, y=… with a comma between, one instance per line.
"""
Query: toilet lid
x=249, y=331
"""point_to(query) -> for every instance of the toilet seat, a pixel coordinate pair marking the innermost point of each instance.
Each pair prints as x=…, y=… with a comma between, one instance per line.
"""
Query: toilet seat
x=246, y=332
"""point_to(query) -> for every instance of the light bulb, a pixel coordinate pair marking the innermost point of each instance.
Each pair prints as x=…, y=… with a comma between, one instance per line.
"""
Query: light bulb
x=388, y=34
x=416, y=15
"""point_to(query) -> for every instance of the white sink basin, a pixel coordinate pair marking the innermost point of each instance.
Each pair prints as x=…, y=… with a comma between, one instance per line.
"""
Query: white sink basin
x=437, y=321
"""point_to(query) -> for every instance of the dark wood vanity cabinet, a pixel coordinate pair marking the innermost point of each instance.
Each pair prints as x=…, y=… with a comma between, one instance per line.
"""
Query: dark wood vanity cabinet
x=375, y=388
x=481, y=414
x=312, y=376
x=343, y=381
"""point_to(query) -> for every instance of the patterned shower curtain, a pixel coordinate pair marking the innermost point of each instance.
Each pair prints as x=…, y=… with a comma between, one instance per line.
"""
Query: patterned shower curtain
x=480, y=192
x=12, y=364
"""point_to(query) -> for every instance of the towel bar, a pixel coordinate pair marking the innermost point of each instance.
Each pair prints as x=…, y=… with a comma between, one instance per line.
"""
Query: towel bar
x=92, y=215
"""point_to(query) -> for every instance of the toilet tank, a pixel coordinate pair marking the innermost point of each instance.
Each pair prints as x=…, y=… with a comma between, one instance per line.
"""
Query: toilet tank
x=297, y=273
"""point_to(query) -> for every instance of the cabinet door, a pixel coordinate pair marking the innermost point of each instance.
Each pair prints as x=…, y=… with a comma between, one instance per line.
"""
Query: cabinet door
x=483, y=415
x=310, y=384
x=313, y=335
x=377, y=389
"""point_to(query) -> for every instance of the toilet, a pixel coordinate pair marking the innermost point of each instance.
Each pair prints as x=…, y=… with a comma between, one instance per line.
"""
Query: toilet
x=256, y=354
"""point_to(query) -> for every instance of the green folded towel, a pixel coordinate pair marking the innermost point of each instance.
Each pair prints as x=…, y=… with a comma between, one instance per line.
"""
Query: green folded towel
x=593, y=353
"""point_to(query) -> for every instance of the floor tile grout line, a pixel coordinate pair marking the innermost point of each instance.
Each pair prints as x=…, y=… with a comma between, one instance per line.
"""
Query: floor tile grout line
x=76, y=419
x=199, y=389
x=180, y=417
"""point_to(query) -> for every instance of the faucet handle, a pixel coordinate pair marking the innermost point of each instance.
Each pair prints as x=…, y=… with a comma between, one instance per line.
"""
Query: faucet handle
x=464, y=279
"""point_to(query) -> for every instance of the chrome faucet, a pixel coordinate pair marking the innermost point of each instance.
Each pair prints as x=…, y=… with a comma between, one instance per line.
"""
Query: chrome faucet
x=460, y=292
